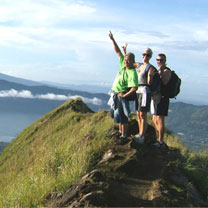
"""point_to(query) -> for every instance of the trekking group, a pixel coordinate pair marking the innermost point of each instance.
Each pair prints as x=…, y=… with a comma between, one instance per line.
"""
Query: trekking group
x=149, y=88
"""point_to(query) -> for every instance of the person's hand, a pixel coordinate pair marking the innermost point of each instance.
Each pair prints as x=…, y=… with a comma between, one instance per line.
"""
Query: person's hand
x=111, y=35
x=124, y=47
x=121, y=94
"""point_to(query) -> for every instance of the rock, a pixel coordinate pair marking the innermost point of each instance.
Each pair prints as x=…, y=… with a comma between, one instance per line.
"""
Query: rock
x=93, y=198
x=141, y=176
x=95, y=175
x=107, y=156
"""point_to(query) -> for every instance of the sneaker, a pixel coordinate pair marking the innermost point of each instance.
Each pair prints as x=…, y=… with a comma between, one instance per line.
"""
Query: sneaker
x=136, y=136
x=139, y=139
x=122, y=140
x=160, y=145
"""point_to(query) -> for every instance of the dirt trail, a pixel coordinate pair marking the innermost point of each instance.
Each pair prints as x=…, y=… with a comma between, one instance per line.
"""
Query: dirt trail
x=131, y=176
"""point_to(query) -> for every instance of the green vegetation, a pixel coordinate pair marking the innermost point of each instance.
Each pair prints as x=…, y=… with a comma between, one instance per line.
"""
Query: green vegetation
x=52, y=153
x=3, y=145
x=194, y=164
x=190, y=120
x=57, y=150
x=197, y=169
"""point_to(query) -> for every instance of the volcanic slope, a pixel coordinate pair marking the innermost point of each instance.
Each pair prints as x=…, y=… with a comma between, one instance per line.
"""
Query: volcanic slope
x=70, y=158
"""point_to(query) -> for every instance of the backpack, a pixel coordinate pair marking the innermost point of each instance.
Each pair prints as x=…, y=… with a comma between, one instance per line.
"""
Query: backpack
x=156, y=82
x=172, y=89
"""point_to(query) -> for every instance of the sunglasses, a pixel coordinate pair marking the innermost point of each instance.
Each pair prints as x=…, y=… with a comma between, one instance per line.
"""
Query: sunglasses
x=159, y=60
x=147, y=55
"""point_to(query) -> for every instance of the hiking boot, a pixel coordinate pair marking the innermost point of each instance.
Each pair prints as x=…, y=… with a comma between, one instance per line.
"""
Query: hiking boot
x=122, y=140
x=139, y=139
x=161, y=145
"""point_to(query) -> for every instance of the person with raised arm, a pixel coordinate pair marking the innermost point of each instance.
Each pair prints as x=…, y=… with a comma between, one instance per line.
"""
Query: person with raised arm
x=124, y=85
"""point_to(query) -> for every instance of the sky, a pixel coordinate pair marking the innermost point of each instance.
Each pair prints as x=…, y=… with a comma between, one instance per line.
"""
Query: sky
x=67, y=42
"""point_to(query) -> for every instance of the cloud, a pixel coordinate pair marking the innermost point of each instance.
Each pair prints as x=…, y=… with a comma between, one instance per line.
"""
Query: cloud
x=67, y=41
x=15, y=93
x=49, y=96
x=47, y=13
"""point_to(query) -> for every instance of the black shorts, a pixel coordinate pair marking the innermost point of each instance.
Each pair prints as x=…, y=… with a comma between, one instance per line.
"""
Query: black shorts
x=139, y=105
x=160, y=107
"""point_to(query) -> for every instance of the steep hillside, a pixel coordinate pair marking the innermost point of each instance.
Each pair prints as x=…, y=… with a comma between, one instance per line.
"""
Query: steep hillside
x=191, y=121
x=51, y=153
x=3, y=145
x=70, y=158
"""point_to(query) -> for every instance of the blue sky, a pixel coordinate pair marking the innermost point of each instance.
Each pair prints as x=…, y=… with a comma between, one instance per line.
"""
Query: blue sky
x=67, y=42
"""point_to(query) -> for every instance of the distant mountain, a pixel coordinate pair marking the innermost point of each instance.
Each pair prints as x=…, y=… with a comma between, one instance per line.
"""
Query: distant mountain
x=80, y=87
x=18, y=80
x=21, y=105
x=53, y=93
x=190, y=122
x=83, y=87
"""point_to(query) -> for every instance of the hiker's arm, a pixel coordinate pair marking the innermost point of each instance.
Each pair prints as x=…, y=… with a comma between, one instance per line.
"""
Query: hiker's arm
x=150, y=75
x=136, y=64
x=123, y=95
x=166, y=76
x=115, y=45
x=124, y=48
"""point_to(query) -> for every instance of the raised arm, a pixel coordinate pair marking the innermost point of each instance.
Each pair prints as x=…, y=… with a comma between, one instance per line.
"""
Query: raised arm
x=136, y=64
x=115, y=45
x=124, y=48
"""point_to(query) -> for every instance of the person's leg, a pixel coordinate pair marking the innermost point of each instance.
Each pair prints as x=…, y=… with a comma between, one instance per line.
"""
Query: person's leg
x=155, y=121
x=120, y=128
x=124, y=129
x=123, y=117
x=143, y=123
x=139, y=121
x=161, y=127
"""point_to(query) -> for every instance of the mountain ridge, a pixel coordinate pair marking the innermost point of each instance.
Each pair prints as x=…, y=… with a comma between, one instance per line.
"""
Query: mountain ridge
x=18, y=80
x=193, y=122
x=193, y=128
x=46, y=163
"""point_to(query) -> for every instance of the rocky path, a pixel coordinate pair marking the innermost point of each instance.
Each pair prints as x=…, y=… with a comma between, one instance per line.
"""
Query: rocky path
x=131, y=176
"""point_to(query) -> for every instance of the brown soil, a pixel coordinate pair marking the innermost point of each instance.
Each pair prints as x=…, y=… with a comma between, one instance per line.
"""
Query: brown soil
x=132, y=176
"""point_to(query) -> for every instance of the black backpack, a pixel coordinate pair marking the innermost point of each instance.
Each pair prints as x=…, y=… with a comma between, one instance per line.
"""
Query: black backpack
x=156, y=82
x=172, y=89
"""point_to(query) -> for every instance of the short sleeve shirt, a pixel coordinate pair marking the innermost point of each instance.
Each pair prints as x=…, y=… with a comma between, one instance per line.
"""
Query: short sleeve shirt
x=125, y=78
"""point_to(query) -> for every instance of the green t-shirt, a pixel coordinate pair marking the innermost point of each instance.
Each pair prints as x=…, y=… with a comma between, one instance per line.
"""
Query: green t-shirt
x=125, y=78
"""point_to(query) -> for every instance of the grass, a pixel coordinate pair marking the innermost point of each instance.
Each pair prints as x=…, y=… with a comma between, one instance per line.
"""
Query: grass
x=197, y=169
x=193, y=163
x=58, y=149
x=51, y=154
